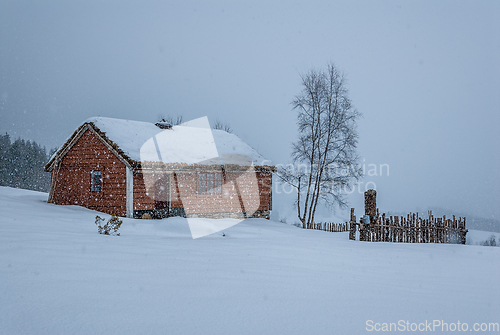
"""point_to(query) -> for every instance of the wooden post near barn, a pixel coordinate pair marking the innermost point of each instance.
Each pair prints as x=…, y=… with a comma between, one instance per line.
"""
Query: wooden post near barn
x=352, y=226
x=371, y=203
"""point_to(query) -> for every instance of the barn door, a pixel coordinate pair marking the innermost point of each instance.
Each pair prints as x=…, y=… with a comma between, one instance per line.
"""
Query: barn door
x=162, y=193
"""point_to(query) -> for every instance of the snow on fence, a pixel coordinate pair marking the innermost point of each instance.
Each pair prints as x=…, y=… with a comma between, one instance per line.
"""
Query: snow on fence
x=329, y=226
x=409, y=229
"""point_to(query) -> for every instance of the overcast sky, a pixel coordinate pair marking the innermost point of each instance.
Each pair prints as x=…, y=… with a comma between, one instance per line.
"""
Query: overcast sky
x=425, y=75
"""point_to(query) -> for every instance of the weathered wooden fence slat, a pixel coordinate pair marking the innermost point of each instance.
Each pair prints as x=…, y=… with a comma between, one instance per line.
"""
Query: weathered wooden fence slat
x=409, y=229
x=330, y=226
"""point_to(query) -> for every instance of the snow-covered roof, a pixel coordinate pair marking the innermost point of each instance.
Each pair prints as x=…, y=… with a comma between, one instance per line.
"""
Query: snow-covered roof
x=128, y=135
x=190, y=143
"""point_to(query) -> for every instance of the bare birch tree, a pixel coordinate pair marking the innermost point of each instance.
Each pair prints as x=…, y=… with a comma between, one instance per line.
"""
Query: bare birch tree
x=324, y=156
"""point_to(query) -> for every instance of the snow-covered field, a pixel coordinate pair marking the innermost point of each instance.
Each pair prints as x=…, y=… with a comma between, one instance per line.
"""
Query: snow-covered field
x=59, y=276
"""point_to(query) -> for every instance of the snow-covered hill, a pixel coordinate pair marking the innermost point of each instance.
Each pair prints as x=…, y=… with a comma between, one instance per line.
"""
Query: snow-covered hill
x=59, y=276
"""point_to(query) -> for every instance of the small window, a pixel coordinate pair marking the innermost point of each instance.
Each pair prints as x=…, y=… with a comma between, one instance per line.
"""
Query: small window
x=95, y=181
x=210, y=183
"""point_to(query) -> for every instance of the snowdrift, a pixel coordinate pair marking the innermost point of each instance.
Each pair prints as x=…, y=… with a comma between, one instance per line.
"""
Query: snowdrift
x=59, y=276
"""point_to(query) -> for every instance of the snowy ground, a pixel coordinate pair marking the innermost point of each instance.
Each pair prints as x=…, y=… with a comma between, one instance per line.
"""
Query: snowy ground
x=59, y=276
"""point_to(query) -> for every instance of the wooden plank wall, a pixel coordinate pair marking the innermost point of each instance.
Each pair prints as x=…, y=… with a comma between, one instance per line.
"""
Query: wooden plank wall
x=142, y=201
x=240, y=191
x=71, y=178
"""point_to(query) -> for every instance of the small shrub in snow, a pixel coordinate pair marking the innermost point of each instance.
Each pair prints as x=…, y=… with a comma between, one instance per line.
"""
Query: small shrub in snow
x=490, y=242
x=493, y=242
x=111, y=227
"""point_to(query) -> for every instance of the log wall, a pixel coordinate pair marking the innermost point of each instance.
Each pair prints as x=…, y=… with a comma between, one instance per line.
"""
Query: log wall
x=241, y=192
x=70, y=184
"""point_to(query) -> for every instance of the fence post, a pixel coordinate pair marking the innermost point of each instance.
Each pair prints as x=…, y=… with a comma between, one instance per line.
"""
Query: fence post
x=371, y=204
x=352, y=222
x=361, y=230
x=463, y=232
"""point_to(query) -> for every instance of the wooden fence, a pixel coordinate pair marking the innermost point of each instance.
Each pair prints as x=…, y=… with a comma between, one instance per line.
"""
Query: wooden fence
x=330, y=226
x=409, y=229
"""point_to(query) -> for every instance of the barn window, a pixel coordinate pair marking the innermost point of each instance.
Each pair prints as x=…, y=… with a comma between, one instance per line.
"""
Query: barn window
x=95, y=181
x=209, y=183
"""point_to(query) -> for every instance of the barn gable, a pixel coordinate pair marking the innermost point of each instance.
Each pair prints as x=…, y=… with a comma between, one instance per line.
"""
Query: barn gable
x=89, y=126
x=89, y=174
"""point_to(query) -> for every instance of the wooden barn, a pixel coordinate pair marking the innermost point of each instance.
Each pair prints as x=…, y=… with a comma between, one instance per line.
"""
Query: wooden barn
x=141, y=170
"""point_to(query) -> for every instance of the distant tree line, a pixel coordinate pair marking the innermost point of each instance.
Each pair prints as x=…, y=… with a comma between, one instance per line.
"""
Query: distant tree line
x=22, y=164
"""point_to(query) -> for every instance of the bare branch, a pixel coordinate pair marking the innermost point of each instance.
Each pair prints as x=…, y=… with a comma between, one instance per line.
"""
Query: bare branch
x=327, y=141
x=218, y=124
